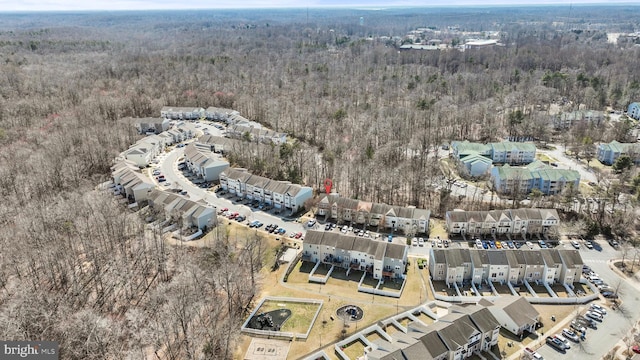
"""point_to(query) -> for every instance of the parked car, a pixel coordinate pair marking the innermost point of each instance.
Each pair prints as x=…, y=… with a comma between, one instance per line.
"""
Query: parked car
x=610, y=295
x=555, y=343
x=590, y=323
x=635, y=349
x=531, y=354
x=614, y=243
x=588, y=244
x=498, y=245
x=327, y=227
x=571, y=335
x=542, y=244
x=600, y=308
x=577, y=327
x=420, y=242
x=414, y=241
x=298, y=235
x=240, y=218
x=529, y=244
x=565, y=342
x=511, y=245
x=593, y=315
x=575, y=244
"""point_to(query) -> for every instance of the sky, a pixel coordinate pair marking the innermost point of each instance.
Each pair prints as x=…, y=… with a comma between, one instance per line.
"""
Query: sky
x=62, y=5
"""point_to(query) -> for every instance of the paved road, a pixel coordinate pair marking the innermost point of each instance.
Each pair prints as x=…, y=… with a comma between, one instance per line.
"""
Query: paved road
x=566, y=162
x=616, y=323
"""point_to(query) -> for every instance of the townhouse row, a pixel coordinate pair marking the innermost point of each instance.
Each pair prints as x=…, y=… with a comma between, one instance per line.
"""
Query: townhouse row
x=130, y=182
x=282, y=195
x=381, y=259
x=523, y=222
x=144, y=150
x=258, y=134
x=409, y=220
x=544, y=266
x=203, y=163
x=184, y=212
x=518, y=181
x=566, y=120
x=463, y=332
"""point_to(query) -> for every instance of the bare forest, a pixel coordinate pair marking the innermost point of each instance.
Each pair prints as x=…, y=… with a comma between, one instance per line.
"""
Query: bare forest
x=78, y=268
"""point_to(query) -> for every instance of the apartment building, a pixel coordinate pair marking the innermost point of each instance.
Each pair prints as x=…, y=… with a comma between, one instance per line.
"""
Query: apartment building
x=144, y=150
x=379, y=258
x=182, y=113
x=258, y=134
x=537, y=175
x=505, y=152
x=150, y=125
x=566, y=120
x=131, y=183
x=609, y=153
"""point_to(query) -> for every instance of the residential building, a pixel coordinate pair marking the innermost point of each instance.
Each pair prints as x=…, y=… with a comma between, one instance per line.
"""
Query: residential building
x=508, y=152
x=566, y=120
x=553, y=266
x=466, y=330
x=144, y=150
x=150, y=125
x=571, y=269
x=182, y=113
x=475, y=165
x=609, y=153
x=481, y=265
x=537, y=175
x=519, y=221
x=132, y=184
x=409, y=219
x=378, y=258
x=498, y=266
x=201, y=161
x=634, y=110
x=461, y=265
x=281, y=194
x=185, y=212
x=505, y=152
x=534, y=266
x=514, y=313
x=219, y=114
x=255, y=133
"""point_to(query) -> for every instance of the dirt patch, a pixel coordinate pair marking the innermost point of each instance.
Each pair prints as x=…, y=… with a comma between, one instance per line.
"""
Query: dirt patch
x=560, y=290
x=441, y=288
x=541, y=291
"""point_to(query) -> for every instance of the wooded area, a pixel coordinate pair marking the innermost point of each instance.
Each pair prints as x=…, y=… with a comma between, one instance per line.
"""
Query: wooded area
x=76, y=266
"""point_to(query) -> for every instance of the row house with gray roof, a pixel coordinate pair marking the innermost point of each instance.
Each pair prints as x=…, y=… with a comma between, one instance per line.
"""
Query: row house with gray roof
x=144, y=150
x=132, y=184
x=379, y=258
x=182, y=113
x=204, y=163
x=464, y=331
x=409, y=220
x=266, y=136
x=521, y=222
x=462, y=266
x=282, y=195
x=187, y=213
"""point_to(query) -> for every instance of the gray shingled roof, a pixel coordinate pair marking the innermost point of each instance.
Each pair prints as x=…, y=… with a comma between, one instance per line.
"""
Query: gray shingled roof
x=533, y=257
x=497, y=257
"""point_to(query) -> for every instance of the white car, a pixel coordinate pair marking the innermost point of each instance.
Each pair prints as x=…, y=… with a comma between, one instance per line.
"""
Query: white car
x=570, y=334
x=593, y=315
x=600, y=308
x=420, y=242
x=414, y=241
x=567, y=344
x=575, y=244
x=529, y=244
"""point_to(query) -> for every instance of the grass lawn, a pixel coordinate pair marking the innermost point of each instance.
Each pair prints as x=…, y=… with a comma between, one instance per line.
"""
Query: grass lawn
x=354, y=350
x=437, y=228
x=559, y=311
x=373, y=336
x=544, y=157
x=322, y=270
x=301, y=314
x=369, y=282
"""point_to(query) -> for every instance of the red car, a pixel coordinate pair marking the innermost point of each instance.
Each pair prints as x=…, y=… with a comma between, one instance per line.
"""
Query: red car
x=223, y=210
x=298, y=235
x=636, y=349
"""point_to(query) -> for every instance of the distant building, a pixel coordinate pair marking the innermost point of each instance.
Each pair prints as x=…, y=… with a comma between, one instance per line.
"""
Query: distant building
x=505, y=152
x=476, y=44
x=634, y=110
x=569, y=119
x=150, y=125
x=182, y=113
x=205, y=164
x=609, y=153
